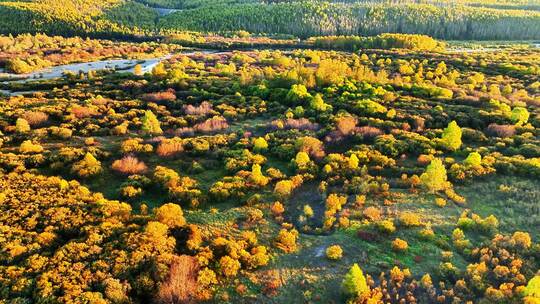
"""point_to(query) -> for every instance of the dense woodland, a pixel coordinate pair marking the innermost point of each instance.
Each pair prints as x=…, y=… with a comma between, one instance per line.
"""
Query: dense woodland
x=315, y=18
x=471, y=20
x=402, y=173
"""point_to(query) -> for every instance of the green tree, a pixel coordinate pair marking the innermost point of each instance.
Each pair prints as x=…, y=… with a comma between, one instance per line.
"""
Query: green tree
x=474, y=159
x=297, y=93
x=260, y=144
x=451, y=138
x=302, y=159
x=317, y=103
x=533, y=288
x=353, y=162
x=150, y=124
x=22, y=126
x=88, y=166
x=354, y=284
x=435, y=179
x=520, y=115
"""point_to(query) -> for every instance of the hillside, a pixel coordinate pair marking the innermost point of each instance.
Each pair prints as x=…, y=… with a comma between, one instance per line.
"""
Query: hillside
x=466, y=20
x=76, y=17
x=310, y=18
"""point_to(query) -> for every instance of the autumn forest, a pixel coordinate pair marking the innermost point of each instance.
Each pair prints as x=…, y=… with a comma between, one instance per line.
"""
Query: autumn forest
x=280, y=151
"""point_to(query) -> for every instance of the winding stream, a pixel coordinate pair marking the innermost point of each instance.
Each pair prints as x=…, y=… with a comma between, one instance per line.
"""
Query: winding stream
x=120, y=65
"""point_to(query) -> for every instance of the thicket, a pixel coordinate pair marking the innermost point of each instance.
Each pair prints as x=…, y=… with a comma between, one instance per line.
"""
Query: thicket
x=311, y=18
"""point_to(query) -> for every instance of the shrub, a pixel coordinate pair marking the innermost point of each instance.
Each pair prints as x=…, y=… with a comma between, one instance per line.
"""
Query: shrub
x=317, y=103
x=346, y=125
x=260, y=144
x=502, y=131
x=354, y=284
x=216, y=123
x=410, y=219
x=22, y=126
x=277, y=209
x=353, y=162
x=171, y=215
x=35, y=118
x=27, y=147
x=334, y=252
x=83, y=112
x=257, y=177
x=159, y=70
x=533, y=290
x=399, y=245
x=474, y=159
x=167, y=96
x=116, y=291
x=284, y=188
x=129, y=165
x=135, y=145
x=522, y=239
x=286, y=240
x=311, y=146
x=229, y=267
x=440, y=202
x=88, y=166
x=368, y=131
x=302, y=159
x=60, y=132
x=206, y=277
x=182, y=283
x=520, y=115
x=372, y=213
x=308, y=211
x=203, y=109
x=170, y=147
x=386, y=226
x=298, y=124
x=297, y=93
x=137, y=70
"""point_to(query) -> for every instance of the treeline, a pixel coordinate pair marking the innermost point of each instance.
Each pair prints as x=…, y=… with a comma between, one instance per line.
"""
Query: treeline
x=305, y=19
x=383, y=41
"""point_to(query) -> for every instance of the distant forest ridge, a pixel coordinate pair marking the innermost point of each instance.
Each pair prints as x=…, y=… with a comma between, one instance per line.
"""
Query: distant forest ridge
x=450, y=20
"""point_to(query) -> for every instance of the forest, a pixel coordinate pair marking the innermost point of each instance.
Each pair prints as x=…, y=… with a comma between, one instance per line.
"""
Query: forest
x=145, y=19
x=276, y=151
x=386, y=169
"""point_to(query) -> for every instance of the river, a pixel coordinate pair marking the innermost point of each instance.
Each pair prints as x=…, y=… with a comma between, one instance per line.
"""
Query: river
x=120, y=65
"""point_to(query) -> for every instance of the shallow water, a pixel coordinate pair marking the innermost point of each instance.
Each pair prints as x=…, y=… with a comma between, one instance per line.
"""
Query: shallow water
x=166, y=11
x=119, y=65
x=126, y=65
x=123, y=65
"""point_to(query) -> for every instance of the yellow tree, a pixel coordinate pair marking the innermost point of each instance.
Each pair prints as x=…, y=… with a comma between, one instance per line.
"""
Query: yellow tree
x=354, y=284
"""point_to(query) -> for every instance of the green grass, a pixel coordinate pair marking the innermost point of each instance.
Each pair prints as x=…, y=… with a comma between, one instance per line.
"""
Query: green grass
x=309, y=275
